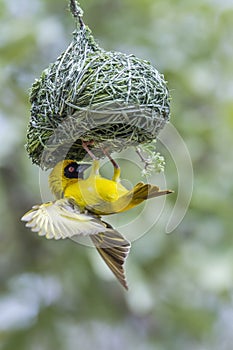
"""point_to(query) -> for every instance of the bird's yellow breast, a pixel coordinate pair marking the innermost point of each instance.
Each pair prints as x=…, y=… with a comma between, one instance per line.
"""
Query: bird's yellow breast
x=94, y=190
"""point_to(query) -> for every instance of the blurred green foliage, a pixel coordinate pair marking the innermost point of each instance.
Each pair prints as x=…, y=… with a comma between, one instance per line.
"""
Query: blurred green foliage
x=58, y=295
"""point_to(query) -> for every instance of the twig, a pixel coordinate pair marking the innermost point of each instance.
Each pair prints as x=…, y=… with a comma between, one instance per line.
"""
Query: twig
x=143, y=159
x=76, y=11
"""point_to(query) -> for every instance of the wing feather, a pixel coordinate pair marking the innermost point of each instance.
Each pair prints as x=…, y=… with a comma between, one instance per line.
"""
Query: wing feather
x=114, y=249
x=62, y=219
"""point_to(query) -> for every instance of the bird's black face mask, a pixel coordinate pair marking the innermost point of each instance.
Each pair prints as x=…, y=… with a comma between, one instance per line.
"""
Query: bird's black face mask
x=75, y=170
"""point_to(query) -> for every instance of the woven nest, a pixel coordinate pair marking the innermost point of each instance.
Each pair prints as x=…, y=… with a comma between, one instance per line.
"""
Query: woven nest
x=114, y=99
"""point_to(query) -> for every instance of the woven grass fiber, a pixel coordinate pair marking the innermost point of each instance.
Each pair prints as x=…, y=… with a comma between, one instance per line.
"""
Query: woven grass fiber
x=116, y=100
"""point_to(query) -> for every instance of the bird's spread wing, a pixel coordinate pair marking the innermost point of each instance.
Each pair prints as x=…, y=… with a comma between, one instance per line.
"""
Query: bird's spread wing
x=62, y=219
x=114, y=249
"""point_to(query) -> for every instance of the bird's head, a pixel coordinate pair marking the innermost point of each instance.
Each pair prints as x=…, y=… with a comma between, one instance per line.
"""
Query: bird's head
x=73, y=169
x=63, y=173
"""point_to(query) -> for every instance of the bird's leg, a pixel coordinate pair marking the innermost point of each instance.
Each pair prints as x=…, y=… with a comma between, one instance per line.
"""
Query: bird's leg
x=85, y=145
x=96, y=165
x=117, y=169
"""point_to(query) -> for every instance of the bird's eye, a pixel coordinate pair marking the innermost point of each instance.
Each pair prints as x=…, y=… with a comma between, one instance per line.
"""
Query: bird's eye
x=71, y=169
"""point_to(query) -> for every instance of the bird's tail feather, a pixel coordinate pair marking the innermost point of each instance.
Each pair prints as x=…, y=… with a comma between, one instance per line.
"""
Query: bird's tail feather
x=145, y=191
x=141, y=192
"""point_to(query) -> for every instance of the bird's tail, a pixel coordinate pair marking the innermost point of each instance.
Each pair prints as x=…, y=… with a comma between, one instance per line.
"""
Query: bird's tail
x=142, y=192
x=146, y=191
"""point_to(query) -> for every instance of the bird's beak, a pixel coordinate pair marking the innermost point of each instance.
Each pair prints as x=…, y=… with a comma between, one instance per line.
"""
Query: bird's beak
x=82, y=167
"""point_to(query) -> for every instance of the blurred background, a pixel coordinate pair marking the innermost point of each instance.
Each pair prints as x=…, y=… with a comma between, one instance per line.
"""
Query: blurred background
x=58, y=294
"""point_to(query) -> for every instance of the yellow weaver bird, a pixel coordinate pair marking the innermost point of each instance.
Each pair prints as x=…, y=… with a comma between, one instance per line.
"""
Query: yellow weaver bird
x=79, y=204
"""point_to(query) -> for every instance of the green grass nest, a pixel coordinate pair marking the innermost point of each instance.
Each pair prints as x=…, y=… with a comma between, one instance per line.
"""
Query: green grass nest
x=114, y=99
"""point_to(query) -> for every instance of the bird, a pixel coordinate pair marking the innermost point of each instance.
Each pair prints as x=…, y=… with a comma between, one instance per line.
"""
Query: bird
x=98, y=194
x=79, y=205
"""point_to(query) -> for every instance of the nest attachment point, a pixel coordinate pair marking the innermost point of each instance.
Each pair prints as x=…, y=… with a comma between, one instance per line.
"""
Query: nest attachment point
x=114, y=99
